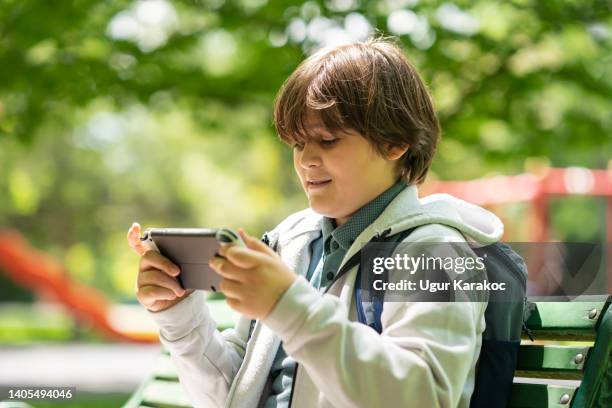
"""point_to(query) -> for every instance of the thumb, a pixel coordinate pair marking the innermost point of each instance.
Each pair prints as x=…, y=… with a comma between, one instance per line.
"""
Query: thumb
x=133, y=237
x=254, y=243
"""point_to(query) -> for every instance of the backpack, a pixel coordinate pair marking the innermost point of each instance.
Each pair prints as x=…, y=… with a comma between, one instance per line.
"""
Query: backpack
x=504, y=319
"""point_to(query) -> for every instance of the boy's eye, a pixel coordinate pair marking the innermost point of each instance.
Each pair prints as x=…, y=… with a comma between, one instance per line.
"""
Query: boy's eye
x=322, y=142
x=328, y=142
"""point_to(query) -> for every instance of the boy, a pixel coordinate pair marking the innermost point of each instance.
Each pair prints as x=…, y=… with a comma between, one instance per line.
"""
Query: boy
x=364, y=132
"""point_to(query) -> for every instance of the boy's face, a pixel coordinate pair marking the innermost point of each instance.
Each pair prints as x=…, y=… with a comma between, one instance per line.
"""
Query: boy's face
x=341, y=172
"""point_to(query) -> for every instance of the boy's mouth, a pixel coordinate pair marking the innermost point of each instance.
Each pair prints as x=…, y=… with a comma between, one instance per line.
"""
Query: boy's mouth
x=317, y=183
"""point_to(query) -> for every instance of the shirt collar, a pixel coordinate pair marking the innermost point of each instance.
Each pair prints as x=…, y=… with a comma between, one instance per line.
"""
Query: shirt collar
x=346, y=234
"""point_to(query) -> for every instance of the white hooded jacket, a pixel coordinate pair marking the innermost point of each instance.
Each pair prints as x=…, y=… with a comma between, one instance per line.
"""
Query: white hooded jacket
x=424, y=357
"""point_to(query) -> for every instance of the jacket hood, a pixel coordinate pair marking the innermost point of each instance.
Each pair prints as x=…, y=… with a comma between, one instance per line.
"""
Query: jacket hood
x=404, y=212
x=408, y=211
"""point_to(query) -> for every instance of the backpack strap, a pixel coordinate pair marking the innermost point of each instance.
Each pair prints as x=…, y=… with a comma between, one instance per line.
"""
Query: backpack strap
x=369, y=313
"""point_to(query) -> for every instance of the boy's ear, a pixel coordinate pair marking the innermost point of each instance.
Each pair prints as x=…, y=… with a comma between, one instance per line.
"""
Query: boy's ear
x=395, y=152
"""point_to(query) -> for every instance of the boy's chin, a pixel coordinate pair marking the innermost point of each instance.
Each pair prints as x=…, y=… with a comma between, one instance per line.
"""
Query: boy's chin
x=321, y=209
x=324, y=210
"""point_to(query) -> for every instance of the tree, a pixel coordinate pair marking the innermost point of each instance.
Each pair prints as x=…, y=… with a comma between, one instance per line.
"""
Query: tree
x=97, y=98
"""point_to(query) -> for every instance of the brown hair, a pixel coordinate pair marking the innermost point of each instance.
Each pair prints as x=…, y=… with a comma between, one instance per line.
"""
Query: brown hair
x=370, y=88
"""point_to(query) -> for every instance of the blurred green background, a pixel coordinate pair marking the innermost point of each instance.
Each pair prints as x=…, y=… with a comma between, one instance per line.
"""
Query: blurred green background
x=161, y=112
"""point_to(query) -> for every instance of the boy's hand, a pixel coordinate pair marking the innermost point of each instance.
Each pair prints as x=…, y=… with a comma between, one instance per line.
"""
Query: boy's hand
x=254, y=278
x=156, y=285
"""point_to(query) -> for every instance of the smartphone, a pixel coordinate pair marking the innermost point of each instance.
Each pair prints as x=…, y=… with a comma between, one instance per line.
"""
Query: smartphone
x=190, y=249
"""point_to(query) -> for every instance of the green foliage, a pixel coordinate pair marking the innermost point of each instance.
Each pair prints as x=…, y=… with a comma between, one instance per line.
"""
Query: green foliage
x=112, y=112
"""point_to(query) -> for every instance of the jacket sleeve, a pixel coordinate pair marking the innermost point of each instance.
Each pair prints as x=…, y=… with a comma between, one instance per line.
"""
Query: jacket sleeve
x=206, y=360
x=422, y=358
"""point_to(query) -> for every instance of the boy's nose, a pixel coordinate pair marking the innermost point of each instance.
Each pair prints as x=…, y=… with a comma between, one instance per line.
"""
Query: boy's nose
x=309, y=157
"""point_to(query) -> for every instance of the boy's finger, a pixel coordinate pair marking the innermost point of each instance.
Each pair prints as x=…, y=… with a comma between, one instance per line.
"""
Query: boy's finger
x=222, y=249
x=150, y=294
x=254, y=243
x=246, y=258
x=134, y=233
x=228, y=270
x=159, y=278
x=155, y=260
x=133, y=237
x=234, y=303
x=231, y=289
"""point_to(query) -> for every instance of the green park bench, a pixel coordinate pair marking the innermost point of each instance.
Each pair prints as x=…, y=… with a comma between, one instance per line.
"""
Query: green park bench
x=568, y=364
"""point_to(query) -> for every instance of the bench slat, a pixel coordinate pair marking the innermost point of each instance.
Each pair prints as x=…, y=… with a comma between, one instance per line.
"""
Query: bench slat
x=564, y=315
x=540, y=396
x=551, y=358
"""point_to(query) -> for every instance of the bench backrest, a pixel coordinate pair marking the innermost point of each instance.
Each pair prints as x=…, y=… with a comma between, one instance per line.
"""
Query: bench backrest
x=568, y=363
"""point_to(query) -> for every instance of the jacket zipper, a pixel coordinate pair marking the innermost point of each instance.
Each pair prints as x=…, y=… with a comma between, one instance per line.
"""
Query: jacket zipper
x=266, y=239
x=293, y=380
